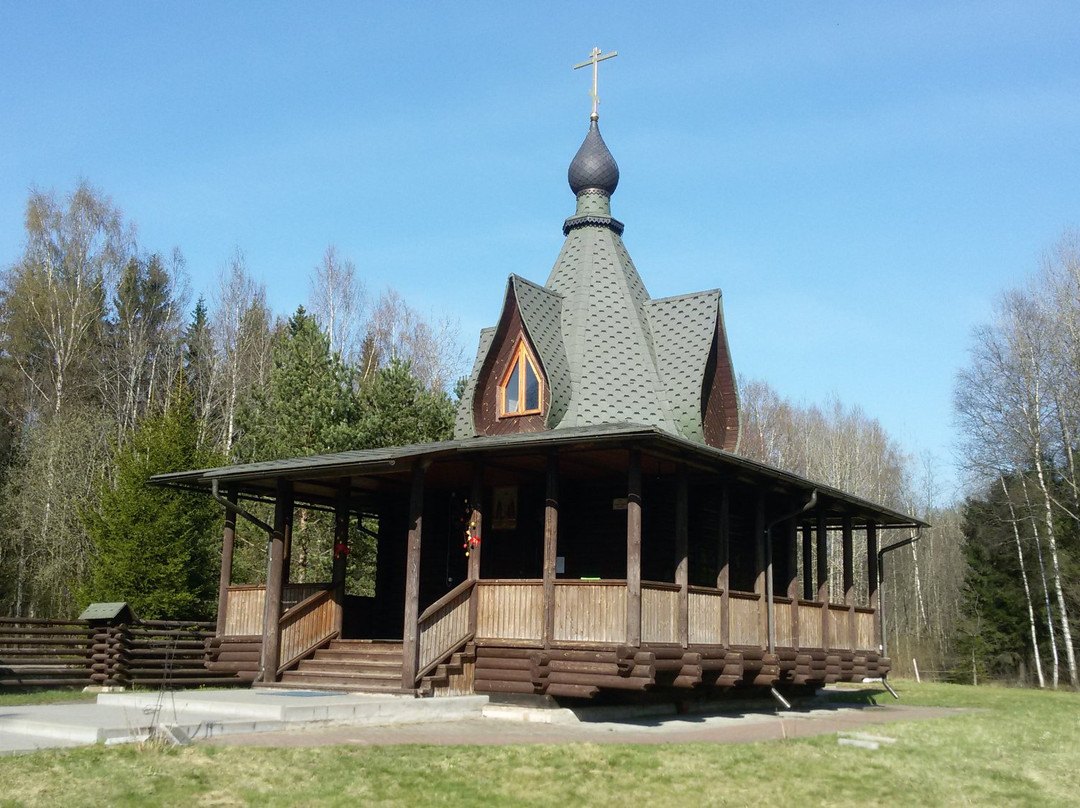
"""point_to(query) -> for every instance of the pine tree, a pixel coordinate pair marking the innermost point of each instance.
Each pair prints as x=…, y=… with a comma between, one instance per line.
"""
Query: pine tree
x=155, y=546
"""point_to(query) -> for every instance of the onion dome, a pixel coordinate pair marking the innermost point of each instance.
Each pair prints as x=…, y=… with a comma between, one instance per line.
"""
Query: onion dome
x=593, y=168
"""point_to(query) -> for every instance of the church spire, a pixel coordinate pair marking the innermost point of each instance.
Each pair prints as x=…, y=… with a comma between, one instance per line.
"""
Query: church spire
x=593, y=174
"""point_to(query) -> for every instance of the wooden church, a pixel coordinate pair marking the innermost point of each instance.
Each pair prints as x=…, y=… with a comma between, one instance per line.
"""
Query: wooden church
x=613, y=540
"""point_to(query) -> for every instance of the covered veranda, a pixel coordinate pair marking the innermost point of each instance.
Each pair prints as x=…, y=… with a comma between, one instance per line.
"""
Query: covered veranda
x=603, y=558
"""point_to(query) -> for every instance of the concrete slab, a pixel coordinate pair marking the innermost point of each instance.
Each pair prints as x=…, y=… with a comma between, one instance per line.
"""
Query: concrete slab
x=206, y=714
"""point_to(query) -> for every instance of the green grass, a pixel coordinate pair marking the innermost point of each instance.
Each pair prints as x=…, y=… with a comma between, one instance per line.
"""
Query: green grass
x=10, y=697
x=1018, y=748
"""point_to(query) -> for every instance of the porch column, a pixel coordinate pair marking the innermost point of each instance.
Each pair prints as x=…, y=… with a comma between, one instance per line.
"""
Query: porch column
x=793, y=578
x=476, y=527
x=342, y=504
x=682, y=562
x=872, y=577
x=633, y=550
x=275, y=580
x=723, y=564
x=228, y=538
x=410, y=645
x=849, y=579
x=476, y=519
x=551, y=547
x=762, y=570
x=823, y=575
x=807, y=562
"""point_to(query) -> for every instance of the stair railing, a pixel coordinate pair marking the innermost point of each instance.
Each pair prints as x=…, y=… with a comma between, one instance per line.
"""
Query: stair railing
x=444, y=627
x=308, y=625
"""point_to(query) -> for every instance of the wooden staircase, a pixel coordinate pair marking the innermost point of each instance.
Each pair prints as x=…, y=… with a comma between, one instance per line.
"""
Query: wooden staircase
x=365, y=666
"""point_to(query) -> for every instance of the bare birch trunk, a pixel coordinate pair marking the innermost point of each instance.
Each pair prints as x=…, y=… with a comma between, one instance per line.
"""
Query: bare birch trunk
x=1027, y=589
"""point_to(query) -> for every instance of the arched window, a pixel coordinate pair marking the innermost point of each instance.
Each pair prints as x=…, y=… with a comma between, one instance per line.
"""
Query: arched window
x=521, y=390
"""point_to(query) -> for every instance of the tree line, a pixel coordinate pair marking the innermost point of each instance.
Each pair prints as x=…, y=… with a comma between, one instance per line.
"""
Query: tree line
x=1018, y=406
x=111, y=372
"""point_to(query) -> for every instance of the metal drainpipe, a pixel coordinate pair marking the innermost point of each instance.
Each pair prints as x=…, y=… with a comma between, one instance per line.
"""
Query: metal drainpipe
x=232, y=506
x=881, y=597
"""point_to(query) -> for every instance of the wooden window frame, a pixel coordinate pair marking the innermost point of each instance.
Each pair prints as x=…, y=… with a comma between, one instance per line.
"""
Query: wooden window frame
x=522, y=358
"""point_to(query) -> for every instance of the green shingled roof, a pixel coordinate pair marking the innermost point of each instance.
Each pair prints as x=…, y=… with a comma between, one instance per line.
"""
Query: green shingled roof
x=610, y=353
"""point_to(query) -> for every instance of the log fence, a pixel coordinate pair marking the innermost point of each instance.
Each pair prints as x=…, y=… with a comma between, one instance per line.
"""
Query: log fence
x=77, y=653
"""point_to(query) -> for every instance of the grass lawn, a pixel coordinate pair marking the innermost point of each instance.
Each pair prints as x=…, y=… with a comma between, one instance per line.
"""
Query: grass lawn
x=1019, y=748
x=10, y=697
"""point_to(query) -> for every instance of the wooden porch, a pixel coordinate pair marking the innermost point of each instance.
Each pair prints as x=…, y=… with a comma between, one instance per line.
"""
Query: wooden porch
x=644, y=569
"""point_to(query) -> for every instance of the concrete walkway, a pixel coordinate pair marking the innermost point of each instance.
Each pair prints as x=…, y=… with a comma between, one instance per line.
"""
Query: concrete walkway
x=308, y=718
x=204, y=714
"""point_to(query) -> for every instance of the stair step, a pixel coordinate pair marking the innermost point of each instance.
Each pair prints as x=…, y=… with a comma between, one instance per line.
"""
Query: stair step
x=330, y=666
x=354, y=680
x=359, y=657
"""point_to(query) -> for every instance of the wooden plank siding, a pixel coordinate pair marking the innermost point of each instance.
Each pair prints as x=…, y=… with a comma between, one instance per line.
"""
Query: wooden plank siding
x=809, y=624
x=838, y=626
x=307, y=625
x=510, y=610
x=245, y=605
x=706, y=616
x=590, y=611
x=782, y=623
x=659, y=612
x=445, y=627
x=745, y=618
x=864, y=629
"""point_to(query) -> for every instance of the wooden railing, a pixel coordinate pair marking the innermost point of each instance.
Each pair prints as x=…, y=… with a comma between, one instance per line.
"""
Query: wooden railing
x=308, y=625
x=444, y=627
x=782, y=633
x=706, y=614
x=246, y=605
x=509, y=610
x=864, y=629
x=809, y=624
x=659, y=612
x=590, y=611
x=596, y=611
x=745, y=618
x=839, y=626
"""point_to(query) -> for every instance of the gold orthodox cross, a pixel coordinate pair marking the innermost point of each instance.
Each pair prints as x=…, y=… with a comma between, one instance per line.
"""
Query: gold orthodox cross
x=595, y=58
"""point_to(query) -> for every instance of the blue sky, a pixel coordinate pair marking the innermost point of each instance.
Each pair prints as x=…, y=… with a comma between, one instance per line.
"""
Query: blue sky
x=861, y=179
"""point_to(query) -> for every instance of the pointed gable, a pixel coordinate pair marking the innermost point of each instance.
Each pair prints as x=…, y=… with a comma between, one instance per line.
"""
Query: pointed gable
x=695, y=366
x=601, y=350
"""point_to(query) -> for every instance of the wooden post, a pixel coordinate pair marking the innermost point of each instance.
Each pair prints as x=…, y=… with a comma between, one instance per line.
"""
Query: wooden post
x=476, y=528
x=792, y=534
x=410, y=645
x=228, y=539
x=341, y=547
x=275, y=581
x=807, y=562
x=872, y=577
x=682, y=554
x=849, y=578
x=633, y=550
x=823, y=575
x=723, y=563
x=551, y=546
x=762, y=570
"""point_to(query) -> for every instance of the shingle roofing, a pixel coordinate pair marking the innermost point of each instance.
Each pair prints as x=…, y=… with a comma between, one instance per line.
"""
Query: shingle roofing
x=610, y=353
